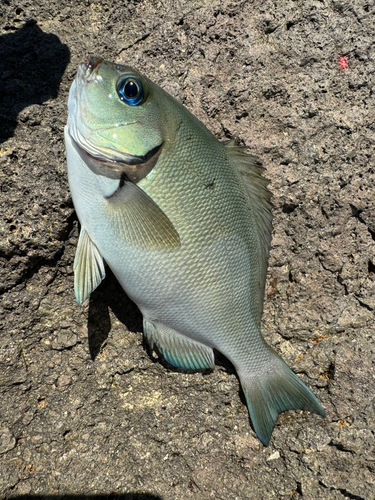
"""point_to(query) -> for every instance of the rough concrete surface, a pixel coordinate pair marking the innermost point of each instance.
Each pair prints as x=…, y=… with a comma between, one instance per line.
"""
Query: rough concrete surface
x=85, y=409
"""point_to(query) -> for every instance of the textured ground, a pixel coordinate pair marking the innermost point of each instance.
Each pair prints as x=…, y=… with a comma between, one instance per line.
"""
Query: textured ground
x=84, y=407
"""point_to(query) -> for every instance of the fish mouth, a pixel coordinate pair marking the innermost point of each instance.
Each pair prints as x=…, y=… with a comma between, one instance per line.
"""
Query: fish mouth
x=92, y=63
x=86, y=69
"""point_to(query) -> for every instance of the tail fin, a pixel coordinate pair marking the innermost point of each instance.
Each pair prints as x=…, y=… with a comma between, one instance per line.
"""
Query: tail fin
x=273, y=390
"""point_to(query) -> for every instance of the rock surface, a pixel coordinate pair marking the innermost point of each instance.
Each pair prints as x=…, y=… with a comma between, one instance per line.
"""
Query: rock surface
x=85, y=408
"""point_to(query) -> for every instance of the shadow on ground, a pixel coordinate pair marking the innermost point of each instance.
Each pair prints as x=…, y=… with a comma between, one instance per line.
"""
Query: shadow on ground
x=31, y=66
x=110, y=295
x=119, y=496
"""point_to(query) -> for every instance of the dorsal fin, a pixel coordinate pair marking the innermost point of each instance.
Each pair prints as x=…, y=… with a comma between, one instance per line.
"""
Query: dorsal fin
x=260, y=197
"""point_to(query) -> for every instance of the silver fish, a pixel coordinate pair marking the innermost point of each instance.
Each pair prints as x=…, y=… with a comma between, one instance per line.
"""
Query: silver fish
x=184, y=222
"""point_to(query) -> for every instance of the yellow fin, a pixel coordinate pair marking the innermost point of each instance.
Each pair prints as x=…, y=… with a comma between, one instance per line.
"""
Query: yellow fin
x=260, y=198
x=139, y=220
x=88, y=267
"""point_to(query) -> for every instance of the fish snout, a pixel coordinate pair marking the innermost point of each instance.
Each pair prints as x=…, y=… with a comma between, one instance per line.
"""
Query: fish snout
x=92, y=63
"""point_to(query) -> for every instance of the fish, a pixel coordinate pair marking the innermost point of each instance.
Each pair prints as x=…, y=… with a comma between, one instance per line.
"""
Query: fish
x=184, y=222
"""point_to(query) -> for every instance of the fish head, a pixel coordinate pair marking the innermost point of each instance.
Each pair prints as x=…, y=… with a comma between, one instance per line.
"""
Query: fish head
x=115, y=119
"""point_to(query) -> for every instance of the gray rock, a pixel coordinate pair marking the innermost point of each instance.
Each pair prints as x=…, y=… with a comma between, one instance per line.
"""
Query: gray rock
x=85, y=408
x=7, y=440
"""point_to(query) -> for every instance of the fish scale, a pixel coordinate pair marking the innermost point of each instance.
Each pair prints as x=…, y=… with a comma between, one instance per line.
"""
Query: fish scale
x=184, y=223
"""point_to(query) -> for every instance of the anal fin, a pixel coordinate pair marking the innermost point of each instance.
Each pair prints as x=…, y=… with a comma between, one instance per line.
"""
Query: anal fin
x=88, y=267
x=178, y=350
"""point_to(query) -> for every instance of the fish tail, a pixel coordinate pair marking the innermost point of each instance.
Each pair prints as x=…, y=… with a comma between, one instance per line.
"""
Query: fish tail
x=273, y=390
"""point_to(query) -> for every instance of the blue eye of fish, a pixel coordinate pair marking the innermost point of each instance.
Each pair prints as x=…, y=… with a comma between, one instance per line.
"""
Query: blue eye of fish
x=130, y=90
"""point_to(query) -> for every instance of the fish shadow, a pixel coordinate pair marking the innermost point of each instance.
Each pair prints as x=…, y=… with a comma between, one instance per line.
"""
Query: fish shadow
x=224, y=363
x=31, y=66
x=110, y=295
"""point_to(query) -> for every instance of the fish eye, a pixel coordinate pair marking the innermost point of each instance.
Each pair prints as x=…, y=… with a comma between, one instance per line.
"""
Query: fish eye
x=130, y=90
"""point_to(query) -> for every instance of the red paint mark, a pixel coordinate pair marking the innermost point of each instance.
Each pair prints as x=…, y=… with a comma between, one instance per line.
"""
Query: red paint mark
x=343, y=63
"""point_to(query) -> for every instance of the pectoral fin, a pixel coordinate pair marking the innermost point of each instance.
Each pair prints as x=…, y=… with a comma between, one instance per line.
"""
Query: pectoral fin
x=88, y=267
x=139, y=220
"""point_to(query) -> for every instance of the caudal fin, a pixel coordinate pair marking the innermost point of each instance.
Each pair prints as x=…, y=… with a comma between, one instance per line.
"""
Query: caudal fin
x=271, y=391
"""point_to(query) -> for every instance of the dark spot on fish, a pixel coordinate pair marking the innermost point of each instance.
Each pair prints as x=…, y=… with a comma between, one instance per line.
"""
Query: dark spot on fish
x=179, y=125
x=211, y=185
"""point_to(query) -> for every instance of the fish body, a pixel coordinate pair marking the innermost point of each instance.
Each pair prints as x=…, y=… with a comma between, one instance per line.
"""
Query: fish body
x=184, y=222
